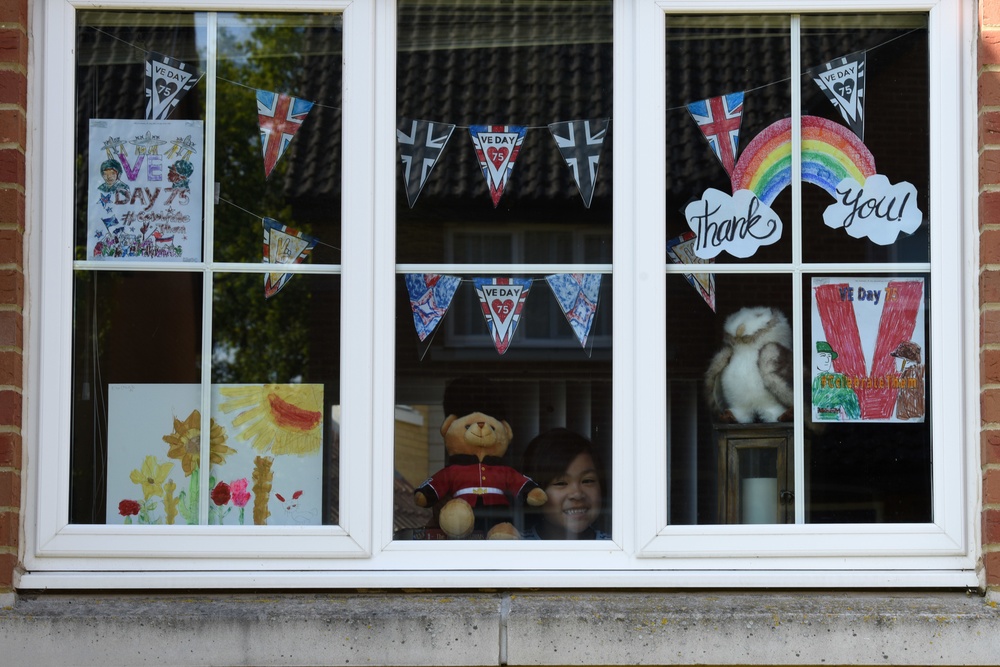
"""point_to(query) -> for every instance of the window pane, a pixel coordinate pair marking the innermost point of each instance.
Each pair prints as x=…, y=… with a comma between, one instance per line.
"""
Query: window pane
x=543, y=381
x=868, y=434
x=523, y=66
x=504, y=140
x=126, y=201
x=880, y=62
x=137, y=335
x=276, y=384
x=290, y=56
x=736, y=71
x=730, y=441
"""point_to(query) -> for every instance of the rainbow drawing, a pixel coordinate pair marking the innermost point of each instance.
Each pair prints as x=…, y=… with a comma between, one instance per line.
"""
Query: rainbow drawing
x=830, y=153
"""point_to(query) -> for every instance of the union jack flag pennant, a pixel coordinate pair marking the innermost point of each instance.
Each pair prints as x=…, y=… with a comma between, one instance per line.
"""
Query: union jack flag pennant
x=842, y=80
x=421, y=143
x=430, y=297
x=502, y=300
x=167, y=81
x=719, y=119
x=680, y=250
x=580, y=143
x=283, y=245
x=576, y=294
x=497, y=147
x=280, y=117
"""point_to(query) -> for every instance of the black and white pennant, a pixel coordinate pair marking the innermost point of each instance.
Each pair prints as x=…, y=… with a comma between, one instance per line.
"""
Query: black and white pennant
x=421, y=143
x=167, y=81
x=843, y=82
x=580, y=143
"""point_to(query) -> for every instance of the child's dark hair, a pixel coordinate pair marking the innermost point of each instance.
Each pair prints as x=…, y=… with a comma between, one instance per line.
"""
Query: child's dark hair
x=550, y=453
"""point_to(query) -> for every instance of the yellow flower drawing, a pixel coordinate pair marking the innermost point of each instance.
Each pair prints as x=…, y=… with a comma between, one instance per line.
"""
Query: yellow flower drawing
x=151, y=476
x=185, y=443
x=278, y=418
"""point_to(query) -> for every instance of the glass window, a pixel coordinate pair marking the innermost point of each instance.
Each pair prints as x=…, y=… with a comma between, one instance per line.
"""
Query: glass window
x=503, y=290
x=228, y=162
x=469, y=203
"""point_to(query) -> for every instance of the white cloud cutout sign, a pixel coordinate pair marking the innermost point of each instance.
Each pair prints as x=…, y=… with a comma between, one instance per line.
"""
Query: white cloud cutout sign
x=737, y=224
x=877, y=210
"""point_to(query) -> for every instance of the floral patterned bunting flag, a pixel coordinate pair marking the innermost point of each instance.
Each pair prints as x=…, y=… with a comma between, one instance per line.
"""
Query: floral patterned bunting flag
x=280, y=117
x=283, y=245
x=576, y=294
x=580, y=143
x=497, y=147
x=430, y=297
x=502, y=300
x=167, y=81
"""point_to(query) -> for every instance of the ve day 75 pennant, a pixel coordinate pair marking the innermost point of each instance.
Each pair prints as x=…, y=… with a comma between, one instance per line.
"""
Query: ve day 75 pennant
x=502, y=300
x=843, y=82
x=167, y=81
x=283, y=245
x=280, y=117
x=421, y=143
x=580, y=143
x=497, y=147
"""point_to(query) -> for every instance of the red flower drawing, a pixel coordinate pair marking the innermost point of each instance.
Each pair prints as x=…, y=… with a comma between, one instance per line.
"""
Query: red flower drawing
x=128, y=508
x=220, y=494
x=239, y=490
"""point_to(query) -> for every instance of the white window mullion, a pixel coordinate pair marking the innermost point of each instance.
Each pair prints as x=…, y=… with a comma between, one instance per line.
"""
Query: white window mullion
x=208, y=233
x=798, y=317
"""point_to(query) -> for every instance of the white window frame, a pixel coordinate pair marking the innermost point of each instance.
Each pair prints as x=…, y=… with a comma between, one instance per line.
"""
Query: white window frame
x=644, y=550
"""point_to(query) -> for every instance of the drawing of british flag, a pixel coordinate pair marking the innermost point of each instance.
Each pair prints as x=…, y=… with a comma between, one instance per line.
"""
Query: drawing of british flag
x=719, y=119
x=280, y=117
x=421, y=143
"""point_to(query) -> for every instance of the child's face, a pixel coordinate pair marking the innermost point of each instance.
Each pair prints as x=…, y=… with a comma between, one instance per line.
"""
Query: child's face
x=574, y=498
x=110, y=176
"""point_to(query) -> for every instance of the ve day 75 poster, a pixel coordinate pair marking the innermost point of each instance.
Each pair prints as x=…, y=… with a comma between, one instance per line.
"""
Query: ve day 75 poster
x=869, y=350
x=145, y=189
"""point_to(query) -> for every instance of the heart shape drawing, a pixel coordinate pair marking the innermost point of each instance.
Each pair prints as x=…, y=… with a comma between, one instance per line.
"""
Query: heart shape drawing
x=844, y=88
x=165, y=88
x=497, y=156
x=502, y=309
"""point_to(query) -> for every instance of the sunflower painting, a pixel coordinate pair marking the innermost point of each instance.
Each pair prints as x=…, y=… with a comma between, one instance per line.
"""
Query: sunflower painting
x=269, y=433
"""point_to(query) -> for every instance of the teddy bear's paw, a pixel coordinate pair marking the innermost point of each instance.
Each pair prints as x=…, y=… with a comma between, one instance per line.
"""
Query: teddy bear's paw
x=456, y=519
x=503, y=531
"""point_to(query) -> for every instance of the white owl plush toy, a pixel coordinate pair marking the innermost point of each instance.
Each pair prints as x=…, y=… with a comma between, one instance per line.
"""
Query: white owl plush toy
x=750, y=378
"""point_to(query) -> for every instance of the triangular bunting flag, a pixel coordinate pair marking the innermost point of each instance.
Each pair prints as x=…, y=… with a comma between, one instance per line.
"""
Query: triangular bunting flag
x=719, y=119
x=167, y=81
x=580, y=143
x=280, y=117
x=283, y=245
x=502, y=300
x=680, y=250
x=576, y=294
x=843, y=82
x=430, y=297
x=421, y=143
x=497, y=147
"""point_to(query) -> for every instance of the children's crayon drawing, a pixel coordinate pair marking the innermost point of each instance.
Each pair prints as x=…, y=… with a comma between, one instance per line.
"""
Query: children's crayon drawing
x=145, y=189
x=266, y=454
x=868, y=352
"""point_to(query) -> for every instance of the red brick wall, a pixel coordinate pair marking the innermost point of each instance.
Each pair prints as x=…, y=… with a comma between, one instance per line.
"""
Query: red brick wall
x=989, y=279
x=13, y=123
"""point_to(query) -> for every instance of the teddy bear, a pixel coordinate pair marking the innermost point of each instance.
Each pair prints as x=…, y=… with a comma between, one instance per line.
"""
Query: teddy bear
x=477, y=480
